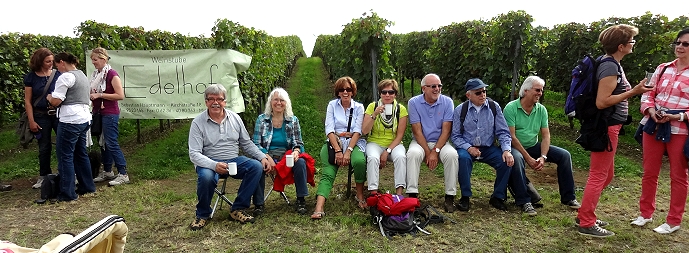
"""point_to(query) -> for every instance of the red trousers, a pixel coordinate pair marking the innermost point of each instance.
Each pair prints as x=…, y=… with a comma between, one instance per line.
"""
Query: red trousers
x=653, y=155
x=601, y=171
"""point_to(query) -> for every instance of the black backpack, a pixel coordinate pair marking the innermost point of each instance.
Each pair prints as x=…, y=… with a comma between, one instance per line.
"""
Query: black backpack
x=49, y=189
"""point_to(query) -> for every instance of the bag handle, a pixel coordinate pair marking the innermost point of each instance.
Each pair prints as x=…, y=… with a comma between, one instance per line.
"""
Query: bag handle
x=47, y=85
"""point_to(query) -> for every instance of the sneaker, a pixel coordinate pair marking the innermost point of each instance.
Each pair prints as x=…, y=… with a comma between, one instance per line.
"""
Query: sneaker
x=102, y=176
x=449, y=203
x=595, y=231
x=573, y=204
x=666, y=229
x=5, y=187
x=641, y=221
x=198, y=224
x=599, y=223
x=301, y=207
x=528, y=209
x=259, y=209
x=241, y=216
x=120, y=179
x=464, y=204
x=38, y=184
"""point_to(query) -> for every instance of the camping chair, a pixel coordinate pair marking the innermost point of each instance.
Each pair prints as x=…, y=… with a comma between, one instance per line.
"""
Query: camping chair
x=109, y=235
x=222, y=193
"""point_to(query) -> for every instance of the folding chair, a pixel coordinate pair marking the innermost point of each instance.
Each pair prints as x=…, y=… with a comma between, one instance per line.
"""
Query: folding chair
x=222, y=193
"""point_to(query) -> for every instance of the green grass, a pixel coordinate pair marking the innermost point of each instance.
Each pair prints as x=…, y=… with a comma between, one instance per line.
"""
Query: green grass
x=159, y=204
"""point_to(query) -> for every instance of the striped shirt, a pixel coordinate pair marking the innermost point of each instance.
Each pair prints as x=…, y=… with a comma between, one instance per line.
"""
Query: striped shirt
x=671, y=92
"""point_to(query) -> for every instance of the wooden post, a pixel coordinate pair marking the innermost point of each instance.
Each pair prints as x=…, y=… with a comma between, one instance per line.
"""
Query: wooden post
x=138, y=131
x=515, y=68
x=374, y=78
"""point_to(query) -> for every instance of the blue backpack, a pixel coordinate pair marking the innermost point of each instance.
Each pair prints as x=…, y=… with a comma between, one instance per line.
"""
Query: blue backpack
x=581, y=99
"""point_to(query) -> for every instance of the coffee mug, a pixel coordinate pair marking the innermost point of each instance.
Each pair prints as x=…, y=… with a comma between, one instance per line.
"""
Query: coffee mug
x=388, y=109
x=232, y=168
x=289, y=160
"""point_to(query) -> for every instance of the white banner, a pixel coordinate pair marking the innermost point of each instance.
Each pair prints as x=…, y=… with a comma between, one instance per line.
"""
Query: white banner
x=169, y=84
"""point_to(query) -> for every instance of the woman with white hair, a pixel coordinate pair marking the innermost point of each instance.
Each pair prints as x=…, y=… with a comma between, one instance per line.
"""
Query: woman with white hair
x=277, y=131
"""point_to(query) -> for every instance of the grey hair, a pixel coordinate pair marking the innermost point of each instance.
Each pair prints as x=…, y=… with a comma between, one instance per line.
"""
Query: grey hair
x=529, y=83
x=281, y=93
x=215, y=89
x=423, y=80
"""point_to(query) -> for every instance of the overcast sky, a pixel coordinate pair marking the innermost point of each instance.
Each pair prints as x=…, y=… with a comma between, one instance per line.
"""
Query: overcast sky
x=304, y=18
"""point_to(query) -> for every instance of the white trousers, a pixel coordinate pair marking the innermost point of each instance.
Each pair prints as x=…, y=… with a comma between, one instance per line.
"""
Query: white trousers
x=448, y=156
x=398, y=157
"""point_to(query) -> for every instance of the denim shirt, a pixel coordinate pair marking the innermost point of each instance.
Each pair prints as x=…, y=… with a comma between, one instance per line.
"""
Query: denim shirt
x=263, y=133
x=480, y=123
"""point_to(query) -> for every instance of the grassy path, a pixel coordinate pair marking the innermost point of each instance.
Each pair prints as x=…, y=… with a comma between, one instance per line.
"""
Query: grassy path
x=159, y=205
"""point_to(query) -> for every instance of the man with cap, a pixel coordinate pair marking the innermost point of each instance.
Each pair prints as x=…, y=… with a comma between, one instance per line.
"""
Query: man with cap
x=430, y=116
x=477, y=123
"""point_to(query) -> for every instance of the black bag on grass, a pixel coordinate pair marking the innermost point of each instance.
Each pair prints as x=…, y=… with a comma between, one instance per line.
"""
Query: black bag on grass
x=49, y=189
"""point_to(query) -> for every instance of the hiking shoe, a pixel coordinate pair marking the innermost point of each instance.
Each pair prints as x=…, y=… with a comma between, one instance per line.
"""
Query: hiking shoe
x=241, y=216
x=449, y=203
x=464, y=204
x=498, y=203
x=595, y=231
x=641, y=221
x=666, y=229
x=574, y=204
x=599, y=223
x=5, y=187
x=528, y=209
x=259, y=209
x=301, y=207
x=120, y=179
x=198, y=224
x=102, y=176
x=413, y=195
x=38, y=184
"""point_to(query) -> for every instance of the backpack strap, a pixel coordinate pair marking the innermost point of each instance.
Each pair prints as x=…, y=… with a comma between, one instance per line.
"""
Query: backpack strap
x=465, y=109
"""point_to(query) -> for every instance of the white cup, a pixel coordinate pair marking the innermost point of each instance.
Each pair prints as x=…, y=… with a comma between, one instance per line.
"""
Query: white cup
x=289, y=160
x=388, y=109
x=232, y=168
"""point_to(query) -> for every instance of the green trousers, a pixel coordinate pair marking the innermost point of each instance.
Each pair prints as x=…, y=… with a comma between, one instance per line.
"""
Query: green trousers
x=329, y=171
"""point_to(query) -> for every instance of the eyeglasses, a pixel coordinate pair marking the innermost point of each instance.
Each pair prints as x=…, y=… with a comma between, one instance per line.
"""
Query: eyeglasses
x=432, y=86
x=219, y=100
x=388, y=92
x=478, y=93
x=684, y=44
x=632, y=41
x=345, y=89
x=538, y=90
x=278, y=100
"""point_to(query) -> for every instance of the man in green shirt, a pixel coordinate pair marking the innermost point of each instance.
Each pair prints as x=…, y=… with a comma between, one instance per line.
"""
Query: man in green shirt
x=526, y=118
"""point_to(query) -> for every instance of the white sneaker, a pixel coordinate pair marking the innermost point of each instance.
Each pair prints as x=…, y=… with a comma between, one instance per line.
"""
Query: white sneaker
x=38, y=184
x=121, y=179
x=641, y=221
x=102, y=176
x=666, y=229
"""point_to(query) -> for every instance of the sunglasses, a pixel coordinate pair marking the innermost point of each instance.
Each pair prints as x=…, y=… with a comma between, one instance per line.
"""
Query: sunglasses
x=632, y=42
x=388, y=92
x=345, y=89
x=435, y=85
x=478, y=93
x=219, y=100
x=538, y=90
x=684, y=44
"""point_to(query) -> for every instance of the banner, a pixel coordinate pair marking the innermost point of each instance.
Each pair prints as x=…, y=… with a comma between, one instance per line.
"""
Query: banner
x=169, y=84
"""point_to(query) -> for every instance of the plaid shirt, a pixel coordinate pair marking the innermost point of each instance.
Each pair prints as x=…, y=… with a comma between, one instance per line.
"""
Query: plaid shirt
x=263, y=133
x=671, y=92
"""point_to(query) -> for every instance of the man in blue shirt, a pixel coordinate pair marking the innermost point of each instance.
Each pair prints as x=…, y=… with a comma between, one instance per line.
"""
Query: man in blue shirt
x=430, y=116
x=475, y=138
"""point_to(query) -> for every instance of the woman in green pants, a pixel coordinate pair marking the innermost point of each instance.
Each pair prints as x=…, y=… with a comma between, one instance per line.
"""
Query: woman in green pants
x=343, y=122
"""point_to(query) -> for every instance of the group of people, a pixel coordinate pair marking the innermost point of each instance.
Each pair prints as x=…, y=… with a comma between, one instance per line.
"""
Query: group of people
x=62, y=100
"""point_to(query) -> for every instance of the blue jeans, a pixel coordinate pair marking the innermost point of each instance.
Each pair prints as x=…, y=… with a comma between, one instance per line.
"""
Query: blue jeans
x=73, y=159
x=48, y=124
x=557, y=155
x=249, y=171
x=299, y=170
x=492, y=156
x=111, y=151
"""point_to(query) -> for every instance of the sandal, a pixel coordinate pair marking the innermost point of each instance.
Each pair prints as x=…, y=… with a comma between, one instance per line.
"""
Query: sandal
x=317, y=215
x=361, y=203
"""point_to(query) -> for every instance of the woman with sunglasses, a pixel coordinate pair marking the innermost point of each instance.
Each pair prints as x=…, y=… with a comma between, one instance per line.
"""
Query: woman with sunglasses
x=385, y=123
x=71, y=96
x=343, y=121
x=664, y=105
x=613, y=92
x=42, y=121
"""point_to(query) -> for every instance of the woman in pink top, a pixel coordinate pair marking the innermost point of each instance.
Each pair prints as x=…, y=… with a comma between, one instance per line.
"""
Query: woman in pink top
x=106, y=90
x=666, y=105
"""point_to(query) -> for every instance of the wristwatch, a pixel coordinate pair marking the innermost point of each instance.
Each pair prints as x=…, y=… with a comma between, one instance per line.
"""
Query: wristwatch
x=389, y=150
x=437, y=150
x=350, y=149
x=544, y=157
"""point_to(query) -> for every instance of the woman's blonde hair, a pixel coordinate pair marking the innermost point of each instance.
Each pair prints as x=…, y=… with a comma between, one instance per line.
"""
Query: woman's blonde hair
x=616, y=35
x=100, y=53
x=281, y=93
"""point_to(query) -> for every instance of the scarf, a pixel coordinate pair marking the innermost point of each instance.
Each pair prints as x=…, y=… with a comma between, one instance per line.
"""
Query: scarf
x=388, y=121
x=98, y=79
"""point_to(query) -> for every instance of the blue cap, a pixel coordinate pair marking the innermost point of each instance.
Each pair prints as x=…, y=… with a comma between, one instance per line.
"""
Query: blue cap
x=475, y=83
